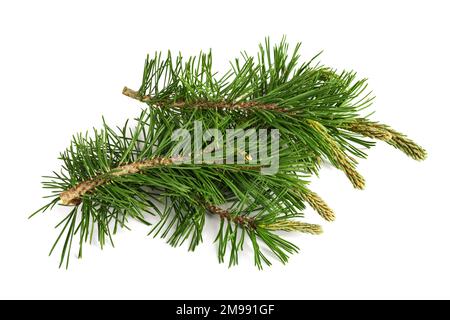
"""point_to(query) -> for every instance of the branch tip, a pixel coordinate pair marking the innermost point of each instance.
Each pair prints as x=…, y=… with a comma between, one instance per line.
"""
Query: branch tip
x=319, y=205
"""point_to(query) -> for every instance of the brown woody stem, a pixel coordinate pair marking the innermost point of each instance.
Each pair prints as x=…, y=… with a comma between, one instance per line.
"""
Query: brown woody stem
x=250, y=223
x=73, y=195
x=203, y=104
x=243, y=221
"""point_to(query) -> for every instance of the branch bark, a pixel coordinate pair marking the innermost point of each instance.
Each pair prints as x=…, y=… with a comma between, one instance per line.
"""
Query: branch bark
x=204, y=104
x=73, y=195
x=245, y=221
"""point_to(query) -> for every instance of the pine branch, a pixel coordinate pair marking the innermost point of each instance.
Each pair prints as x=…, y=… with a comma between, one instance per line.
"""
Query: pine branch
x=281, y=93
x=127, y=174
x=259, y=228
x=130, y=173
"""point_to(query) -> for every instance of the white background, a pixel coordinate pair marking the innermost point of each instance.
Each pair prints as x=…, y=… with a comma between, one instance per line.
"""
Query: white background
x=63, y=65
